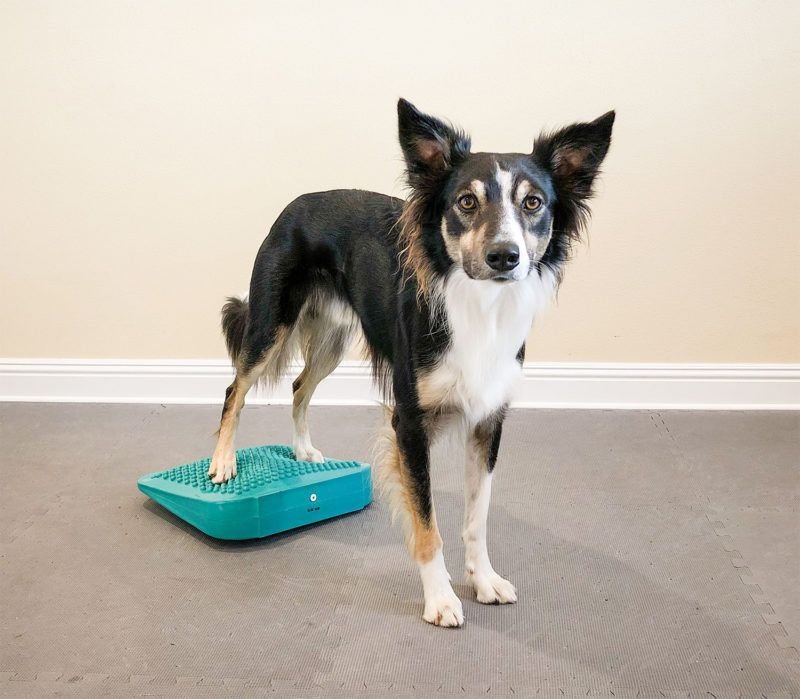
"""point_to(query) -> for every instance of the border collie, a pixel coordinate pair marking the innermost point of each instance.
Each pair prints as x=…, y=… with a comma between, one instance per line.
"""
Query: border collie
x=444, y=288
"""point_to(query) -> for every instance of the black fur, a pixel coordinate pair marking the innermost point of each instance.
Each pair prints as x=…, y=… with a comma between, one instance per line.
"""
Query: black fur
x=432, y=148
x=234, y=321
x=494, y=445
x=347, y=243
x=572, y=156
x=341, y=242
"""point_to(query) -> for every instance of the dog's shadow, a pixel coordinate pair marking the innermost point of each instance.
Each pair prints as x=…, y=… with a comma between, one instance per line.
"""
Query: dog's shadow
x=589, y=605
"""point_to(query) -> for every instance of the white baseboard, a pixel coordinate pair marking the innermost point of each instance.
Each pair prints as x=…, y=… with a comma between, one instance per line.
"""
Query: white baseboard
x=544, y=385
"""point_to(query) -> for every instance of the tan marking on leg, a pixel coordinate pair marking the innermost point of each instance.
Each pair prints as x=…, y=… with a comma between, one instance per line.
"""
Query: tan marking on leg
x=392, y=480
x=422, y=537
x=427, y=540
x=424, y=542
x=268, y=369
x=223, y=462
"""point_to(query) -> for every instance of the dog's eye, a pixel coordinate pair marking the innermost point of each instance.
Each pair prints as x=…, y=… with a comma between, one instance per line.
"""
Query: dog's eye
x=531, y=203
x=467, y=202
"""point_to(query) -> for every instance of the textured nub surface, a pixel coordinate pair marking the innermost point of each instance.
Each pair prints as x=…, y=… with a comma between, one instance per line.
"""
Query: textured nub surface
x=256, y=467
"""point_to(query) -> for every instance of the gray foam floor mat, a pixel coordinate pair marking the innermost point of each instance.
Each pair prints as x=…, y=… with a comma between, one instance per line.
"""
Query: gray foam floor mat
x=655, y=554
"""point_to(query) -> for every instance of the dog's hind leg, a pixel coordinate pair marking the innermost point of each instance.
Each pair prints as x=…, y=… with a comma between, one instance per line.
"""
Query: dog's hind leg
x=325, y=331
x=269, y=366
x=482, y=446
x=223, y=462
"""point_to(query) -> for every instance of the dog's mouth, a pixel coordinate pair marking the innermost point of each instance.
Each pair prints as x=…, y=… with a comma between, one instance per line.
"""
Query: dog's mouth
x=484, y=274
x=499, y=277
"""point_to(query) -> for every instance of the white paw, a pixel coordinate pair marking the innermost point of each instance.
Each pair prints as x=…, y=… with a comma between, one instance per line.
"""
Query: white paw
x=492, y=589
x=444, y=609
x=223, y=467
x=308, y=454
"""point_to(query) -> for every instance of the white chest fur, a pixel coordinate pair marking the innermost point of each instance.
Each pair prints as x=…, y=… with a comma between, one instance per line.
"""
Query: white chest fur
x=489, y=322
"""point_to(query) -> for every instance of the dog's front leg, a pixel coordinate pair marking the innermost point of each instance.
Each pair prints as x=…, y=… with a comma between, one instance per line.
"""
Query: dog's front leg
x=482, y=445
x=407, y=472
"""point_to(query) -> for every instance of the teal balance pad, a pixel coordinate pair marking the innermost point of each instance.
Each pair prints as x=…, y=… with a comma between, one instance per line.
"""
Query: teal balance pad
x=270, y=493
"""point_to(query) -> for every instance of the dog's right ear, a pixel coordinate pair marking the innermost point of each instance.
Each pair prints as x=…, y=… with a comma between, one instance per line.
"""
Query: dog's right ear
x=430, y=146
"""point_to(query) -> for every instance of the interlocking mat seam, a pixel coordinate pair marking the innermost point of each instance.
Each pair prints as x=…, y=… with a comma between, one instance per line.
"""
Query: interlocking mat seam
x=314, y=680
x=785, y=644
x=14, y=684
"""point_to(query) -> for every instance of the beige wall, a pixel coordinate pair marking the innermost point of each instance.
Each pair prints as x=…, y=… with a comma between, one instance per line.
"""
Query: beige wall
x=146, y=147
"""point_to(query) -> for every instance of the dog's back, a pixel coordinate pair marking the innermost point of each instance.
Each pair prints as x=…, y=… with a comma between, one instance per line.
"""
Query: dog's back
x=327, y=248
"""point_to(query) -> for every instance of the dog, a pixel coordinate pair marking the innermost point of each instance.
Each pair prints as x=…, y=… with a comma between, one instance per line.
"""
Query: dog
x=444, y=288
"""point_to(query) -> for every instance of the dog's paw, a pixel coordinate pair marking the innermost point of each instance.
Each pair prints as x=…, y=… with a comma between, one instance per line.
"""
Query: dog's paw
x=308, y=453
x=222, y=468
x=444, y=609
x=492, y=589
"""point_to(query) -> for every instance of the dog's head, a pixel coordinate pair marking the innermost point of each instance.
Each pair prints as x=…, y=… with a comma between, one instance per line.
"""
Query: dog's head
x=499, y=216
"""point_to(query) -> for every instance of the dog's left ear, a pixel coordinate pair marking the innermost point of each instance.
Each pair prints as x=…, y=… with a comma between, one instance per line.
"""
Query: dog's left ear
x=430, y=146
x=573, y=155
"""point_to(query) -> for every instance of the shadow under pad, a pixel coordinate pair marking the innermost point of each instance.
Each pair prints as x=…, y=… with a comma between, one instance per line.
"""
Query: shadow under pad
x=623, y=532
x=271, y=493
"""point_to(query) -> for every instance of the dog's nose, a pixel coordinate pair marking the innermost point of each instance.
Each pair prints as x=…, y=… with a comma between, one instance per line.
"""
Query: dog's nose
x=503, y=257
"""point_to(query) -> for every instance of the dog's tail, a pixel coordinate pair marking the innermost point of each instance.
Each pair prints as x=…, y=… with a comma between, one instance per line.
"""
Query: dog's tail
x=234, y=322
